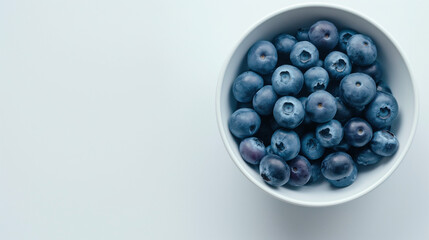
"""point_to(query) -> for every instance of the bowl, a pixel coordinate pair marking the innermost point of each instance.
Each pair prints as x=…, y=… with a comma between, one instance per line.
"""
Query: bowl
x=396, y=73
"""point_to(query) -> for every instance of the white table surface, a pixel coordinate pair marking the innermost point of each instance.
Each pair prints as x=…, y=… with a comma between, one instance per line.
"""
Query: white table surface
x=108, y=131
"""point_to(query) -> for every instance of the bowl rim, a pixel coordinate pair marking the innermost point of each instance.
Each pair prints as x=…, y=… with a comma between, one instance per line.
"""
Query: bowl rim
x=273, y=192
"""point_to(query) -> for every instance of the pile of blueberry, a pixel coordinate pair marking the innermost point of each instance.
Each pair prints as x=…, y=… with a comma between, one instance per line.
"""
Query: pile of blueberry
x=313, y=105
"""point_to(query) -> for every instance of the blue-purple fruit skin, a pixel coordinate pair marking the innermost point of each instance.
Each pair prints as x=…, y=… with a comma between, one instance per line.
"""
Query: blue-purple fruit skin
x=262, y=57
x=382, y=111
x=361, y=50
x=343, y=146
x=274, y=170
x=269, y=150
x=287, y=80
x=286, y=144
x=302, y=34
x=300, y=171
x=338, y=65
x=311, y=147
x=324, y=35
x=307, y=120
x=264, y=100
x=316, y=174
x=288, y=112
x=244, y=122
x=343, y=113
x=367, y=157
x=344, y=37
x=384, y=143
x=320, y=63
x=383, y=87
x=337, y=165
x=246, y=85
x=345, y=181
x=284, y=43
x=316, y=78
x=304, y=55
x=357, y=132
x=357, y=89
x=252, y=150
x=321, y=106
x=329, y=134
x=374, y=70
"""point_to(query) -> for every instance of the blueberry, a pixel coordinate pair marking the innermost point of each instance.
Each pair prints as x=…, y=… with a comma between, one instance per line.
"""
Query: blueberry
x=300, y=171
x=286, y=144
x=374, y=70
x=343, y=112
x=307, y=119
x=361, y=50
x=284, y=43
x=288, y=112
x=383, y=87
x=287, y=80
x=316, y=78
x=357, y=132
x=269, y=150
x=246, y=85
x=264, y=100
x=319, y=63
x=345, y=181
x=343, y=146
x=324, y=35
x=274, y=170
x=244, y=122
x=311, y=147
x=315, y=173
x=262, y=57
x=367, y=157
x=304, y=55
x=357, y=89
x=384, y=143
x=382, y=111
x=321, y=106
x=302, y=34
x=337, y=166
x=344, y=37
x=252, y=150
x=329, y=134
x=338, y=65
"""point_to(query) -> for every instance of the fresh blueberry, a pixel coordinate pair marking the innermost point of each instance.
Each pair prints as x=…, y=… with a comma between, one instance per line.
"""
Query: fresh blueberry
x=343, y=146
x=383, y=87
x=338, y=65
x=288, y=112
x=307, y=119
x=287, y=80
x=357, y=132
x=343, y=112
x=274, y=170
x=384, y=143
x=345, y=181
x=316, y=78
x=246, y=85
x=337, y=165
x=344, y=37
x=286, y=144
x=302, y=34
x=382, y=111
x=321, y=106
x=264, y=100
x=252, y=150
x=374, y=70
x=300, y=171
x=262, y=57
x=304, y=55
x=324, y=35
x=319, y=63
x=329, y=134
x=357, y=89
x=284, y=43
x=315, y=173
x=361, y=50
x=367, y=157
x=311, y=147
x=244, y=122
x=269, y=150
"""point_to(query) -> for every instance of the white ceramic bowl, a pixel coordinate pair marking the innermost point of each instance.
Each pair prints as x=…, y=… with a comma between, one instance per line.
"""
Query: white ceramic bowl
x=396, y=74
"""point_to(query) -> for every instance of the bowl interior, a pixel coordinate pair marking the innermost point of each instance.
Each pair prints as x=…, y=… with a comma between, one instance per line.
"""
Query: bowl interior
x=396, y=74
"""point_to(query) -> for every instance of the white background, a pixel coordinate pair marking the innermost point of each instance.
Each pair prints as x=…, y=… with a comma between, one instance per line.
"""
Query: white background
x=108, y=131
